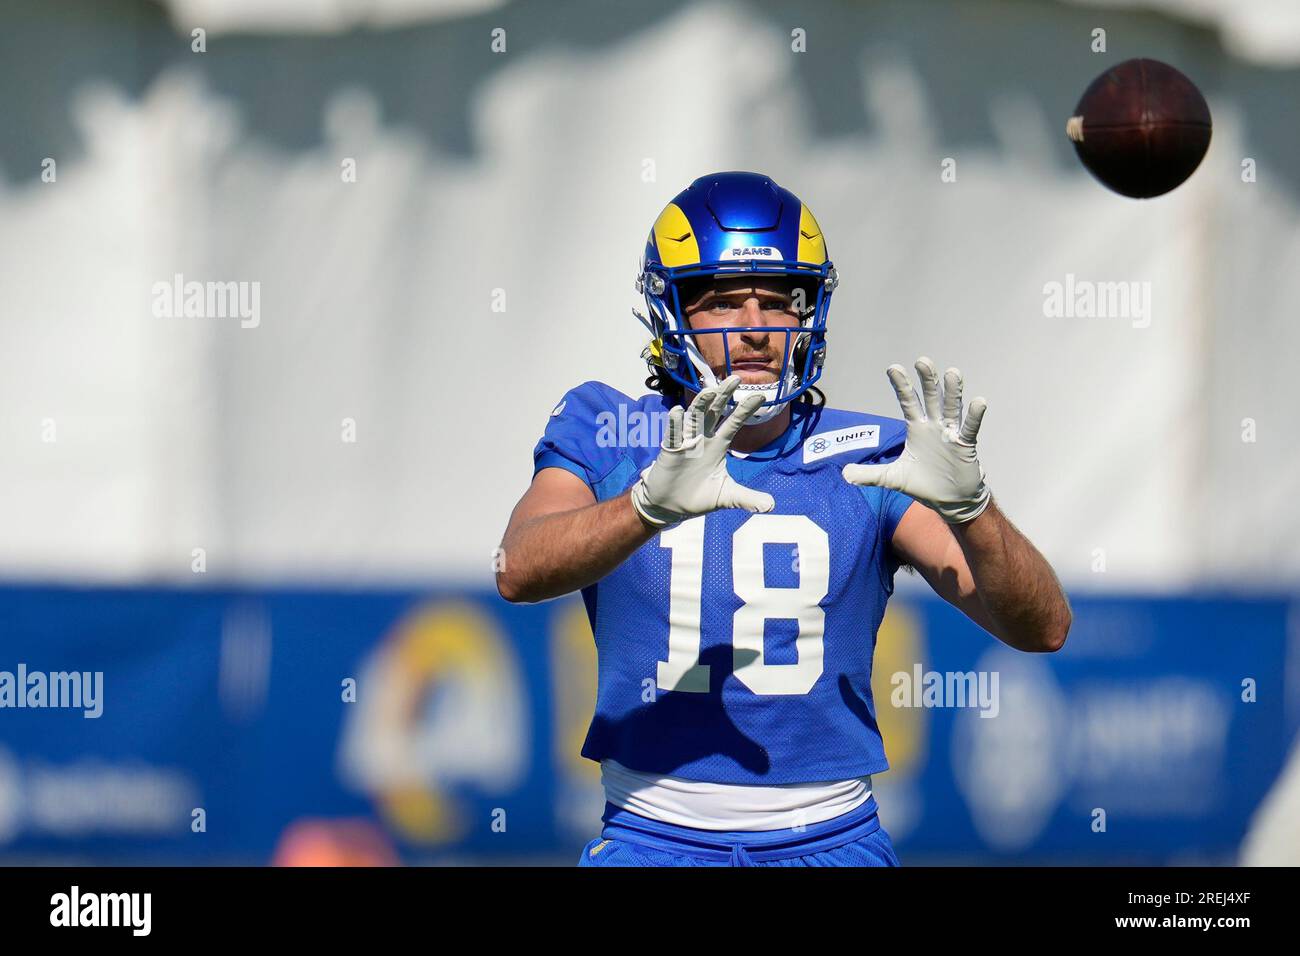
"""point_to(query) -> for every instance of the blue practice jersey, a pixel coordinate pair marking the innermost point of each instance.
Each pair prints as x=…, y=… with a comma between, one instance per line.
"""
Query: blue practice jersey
x=736, y=647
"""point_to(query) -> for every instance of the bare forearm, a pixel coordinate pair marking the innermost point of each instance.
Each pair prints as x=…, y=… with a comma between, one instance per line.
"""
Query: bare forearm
x=1014, y=582
x=554, y=554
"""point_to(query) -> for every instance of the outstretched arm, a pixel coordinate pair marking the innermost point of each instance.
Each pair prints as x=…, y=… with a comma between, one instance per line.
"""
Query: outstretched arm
x=961, y=542
x=560, y=540
x=991, y=572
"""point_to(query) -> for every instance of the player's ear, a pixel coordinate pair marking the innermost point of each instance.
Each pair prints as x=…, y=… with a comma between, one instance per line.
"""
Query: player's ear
x=800, y=352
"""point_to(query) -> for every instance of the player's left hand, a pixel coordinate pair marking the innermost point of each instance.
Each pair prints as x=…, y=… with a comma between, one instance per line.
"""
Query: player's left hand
x=938, y=466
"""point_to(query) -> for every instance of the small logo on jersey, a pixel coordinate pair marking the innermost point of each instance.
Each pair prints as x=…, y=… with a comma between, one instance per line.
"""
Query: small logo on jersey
x=555, y=412
x=842, y=439
x=753, y=252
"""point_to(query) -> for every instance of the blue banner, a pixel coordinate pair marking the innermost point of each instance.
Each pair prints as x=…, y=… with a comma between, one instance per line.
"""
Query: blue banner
x=237, y=726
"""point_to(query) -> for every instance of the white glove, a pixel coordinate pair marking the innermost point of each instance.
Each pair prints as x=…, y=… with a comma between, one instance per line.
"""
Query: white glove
x=938, y=466
x=690, y=477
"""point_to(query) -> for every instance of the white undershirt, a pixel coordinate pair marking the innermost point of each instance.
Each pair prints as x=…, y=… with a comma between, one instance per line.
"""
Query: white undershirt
x=729, y=806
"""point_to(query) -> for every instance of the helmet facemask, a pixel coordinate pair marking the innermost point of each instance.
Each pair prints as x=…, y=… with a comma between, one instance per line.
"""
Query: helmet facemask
x=675, y=351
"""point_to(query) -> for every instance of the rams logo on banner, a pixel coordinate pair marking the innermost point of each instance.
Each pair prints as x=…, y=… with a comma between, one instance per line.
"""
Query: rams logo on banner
x=439, y=716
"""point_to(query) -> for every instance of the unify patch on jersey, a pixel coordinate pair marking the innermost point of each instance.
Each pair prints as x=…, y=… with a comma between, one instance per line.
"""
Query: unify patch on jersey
x=842, y=439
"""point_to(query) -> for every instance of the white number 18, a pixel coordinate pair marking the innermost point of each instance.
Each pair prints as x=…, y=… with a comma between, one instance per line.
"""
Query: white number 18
x=683, y=670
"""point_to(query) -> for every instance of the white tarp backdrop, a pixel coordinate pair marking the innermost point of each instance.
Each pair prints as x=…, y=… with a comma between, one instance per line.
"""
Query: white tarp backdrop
x=130, y=439
x=1267, y=31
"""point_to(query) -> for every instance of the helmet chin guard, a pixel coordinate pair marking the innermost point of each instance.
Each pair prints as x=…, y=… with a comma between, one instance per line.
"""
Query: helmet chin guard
x=735, y=225
x=769, y=409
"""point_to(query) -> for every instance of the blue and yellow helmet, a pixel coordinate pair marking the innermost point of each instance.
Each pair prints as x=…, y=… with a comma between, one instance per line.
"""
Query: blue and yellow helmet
x=735, y=224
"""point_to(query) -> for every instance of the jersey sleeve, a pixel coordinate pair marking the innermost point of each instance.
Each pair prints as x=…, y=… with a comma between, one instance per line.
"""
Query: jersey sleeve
x=888, y=505
x=572, y=439
x=893, y=506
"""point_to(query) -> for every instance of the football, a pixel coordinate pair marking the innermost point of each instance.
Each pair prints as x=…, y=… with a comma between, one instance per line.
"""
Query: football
x=1141, y=128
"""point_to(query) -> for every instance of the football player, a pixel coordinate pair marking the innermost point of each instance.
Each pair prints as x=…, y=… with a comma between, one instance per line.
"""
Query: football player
x=735, y=541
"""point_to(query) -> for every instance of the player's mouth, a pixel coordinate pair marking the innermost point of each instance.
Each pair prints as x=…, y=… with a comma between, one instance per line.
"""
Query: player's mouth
x=757, y=363
x=752, y=371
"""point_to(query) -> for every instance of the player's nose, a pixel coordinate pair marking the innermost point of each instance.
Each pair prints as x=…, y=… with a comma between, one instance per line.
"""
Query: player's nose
x=752, y=313
x=757, y=338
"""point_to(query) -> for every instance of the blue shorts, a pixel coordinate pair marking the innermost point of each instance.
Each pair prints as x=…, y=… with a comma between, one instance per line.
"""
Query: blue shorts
x=855, y=838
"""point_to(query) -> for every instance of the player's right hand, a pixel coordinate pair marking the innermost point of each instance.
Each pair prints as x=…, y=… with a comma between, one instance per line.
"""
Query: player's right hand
x=690, y=477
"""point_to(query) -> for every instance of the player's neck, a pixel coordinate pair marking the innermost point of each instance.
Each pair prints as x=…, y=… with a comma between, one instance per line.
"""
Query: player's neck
x=754, y=437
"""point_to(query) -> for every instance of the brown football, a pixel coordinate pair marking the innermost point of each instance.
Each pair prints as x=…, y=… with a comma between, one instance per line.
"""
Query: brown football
x=1141, y=128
